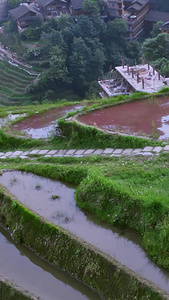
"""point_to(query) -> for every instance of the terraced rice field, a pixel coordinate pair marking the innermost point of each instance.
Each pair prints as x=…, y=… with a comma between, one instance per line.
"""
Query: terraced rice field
x=14, y=82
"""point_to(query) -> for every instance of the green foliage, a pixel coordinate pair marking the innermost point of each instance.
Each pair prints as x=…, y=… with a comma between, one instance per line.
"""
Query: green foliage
x=8, y=142
x=116, y=29
x=162, y=64
x=53, y=244
x=14, y=3
x=131, y=193
x=89, y=137
x=156, y=29
x=90, y=7
x=88, y=48
x=164, y=90
x=31, y=34
x=157, y=47
x=10, y=27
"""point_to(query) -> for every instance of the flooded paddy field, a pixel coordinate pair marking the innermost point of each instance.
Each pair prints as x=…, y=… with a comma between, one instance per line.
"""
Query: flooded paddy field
x=55, y=201
x=148, y=117
x=42, y=125
x=33, y=274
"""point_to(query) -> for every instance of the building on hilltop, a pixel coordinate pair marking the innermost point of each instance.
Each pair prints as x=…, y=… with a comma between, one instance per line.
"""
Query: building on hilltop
x=134, y=16
x=115, y=8
x=153, y=17
x=75, y=7
x=52, y=7
x=138, y=78
x=24, y=15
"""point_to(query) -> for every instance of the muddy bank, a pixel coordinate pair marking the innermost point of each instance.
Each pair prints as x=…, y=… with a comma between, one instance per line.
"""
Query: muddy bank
x=68, y=252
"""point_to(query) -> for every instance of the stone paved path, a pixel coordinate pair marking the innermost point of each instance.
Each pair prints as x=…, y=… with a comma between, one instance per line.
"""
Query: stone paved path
x=147, y=151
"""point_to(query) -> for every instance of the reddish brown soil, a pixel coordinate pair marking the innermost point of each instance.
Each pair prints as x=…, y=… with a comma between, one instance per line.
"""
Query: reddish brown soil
x=144, y=117
x=41, y=125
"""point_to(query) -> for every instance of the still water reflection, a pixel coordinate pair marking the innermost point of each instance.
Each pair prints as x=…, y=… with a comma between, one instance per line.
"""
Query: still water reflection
x=124, y=245
x=19, y=264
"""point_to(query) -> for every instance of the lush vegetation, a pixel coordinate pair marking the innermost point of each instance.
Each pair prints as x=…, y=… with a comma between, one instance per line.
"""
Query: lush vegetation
x=71, y=55
x=14, y=84
x=121, y=191
x=90, y=265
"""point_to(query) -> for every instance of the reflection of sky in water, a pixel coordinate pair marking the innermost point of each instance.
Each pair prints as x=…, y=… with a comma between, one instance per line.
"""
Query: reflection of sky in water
x=10, y=117
x=48, y=130
x=43, y=133
x=164, y=128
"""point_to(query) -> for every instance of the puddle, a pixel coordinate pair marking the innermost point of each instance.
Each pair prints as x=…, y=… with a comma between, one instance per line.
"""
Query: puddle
x=10, y=117
x=43, y=125
x=22, y=266
x=136, y=118
x=123, y=245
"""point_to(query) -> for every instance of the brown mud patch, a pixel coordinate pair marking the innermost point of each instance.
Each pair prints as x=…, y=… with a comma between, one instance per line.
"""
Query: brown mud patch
x=148, y=117
x=43, y=125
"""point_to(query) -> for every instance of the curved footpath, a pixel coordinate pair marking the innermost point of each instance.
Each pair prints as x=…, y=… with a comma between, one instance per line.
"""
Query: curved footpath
x=147, y=151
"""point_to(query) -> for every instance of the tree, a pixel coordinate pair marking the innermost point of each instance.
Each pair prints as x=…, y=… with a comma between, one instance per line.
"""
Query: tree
x=58, y=72
x=155, y=31
x=85, y=28
x=157, y=47
x=162, y=64
x=79, y=63
x=116, y=29
x=90, y=7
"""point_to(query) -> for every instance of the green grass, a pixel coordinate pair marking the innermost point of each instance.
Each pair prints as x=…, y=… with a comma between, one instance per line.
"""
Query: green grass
x=14, y=83
x=130, y=192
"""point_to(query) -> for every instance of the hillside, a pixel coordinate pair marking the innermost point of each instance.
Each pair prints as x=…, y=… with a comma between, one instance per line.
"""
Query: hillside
x=14, y=83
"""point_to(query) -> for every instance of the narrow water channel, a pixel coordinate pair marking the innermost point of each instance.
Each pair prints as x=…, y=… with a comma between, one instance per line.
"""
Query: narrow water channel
x=124, y=245
x=19, y=264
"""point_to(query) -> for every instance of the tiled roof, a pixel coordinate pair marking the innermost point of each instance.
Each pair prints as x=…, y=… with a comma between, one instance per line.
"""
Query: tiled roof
x=155, y=16
x=21, y=10
x=47, y=2
x=77, y=4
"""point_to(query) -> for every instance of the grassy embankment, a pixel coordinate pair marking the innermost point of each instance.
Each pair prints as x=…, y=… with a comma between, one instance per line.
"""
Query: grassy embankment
x=74, y=135
x=127, y=192
x=8, y=290
x=90, y=137
x=71, y=254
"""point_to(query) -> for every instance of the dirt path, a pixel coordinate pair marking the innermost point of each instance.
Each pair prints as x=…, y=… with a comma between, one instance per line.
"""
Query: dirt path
x=12, y=57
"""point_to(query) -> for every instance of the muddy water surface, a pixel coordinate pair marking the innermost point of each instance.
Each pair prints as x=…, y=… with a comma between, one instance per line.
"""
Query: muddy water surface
x=145, y=117
x=43, y=125
x=36, y=192
x=19, y=264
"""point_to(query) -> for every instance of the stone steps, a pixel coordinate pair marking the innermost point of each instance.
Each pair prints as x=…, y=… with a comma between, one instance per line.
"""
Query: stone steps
x=147, y=151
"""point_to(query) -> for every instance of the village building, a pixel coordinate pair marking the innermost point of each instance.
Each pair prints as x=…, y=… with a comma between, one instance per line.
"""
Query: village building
x=49, y=8
x=24, y=15
x=115, y=8
x=139, y=15
x=165, y=27
x=138, y=78
x=76, y=7
x=134, y=16
x=153, y=17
